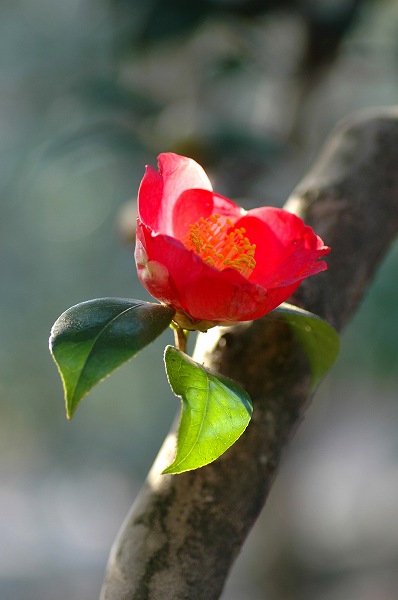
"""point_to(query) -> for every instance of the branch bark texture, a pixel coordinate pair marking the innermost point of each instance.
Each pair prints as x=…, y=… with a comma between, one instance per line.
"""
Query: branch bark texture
x=184, y=532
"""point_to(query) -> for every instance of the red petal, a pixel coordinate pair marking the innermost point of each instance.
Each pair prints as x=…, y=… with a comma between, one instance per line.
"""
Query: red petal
x=193, y=204
x=287, y=250
x=157, y=195
x=150, y=196
x=159, y=191
x=177, y=276
x=215, y=296
x=274, y=298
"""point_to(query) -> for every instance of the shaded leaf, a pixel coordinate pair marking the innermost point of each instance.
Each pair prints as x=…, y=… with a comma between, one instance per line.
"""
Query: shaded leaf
x=215, y=411
x=93, y=338
x=319, y=340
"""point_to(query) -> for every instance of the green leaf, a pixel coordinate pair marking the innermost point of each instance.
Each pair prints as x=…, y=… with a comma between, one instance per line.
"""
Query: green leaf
x=93, y=338
x=319, y=340
x=215, y=411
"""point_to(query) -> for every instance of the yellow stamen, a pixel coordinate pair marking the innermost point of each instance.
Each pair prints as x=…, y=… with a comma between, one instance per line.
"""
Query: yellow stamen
x=222, y=246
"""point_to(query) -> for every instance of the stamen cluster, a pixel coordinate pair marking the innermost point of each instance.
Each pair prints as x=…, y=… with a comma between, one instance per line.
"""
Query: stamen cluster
x=221, y=245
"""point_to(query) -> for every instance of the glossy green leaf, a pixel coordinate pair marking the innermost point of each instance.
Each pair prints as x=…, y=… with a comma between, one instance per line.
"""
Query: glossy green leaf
x=93, y=338
x=319, y=340
x=215, y=411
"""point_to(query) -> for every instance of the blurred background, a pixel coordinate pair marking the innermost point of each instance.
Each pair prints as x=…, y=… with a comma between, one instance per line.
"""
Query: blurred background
x=90, y=92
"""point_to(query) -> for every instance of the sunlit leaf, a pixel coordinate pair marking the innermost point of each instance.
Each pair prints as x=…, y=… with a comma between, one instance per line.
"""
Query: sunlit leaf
x=215, y=411
x=93, y=338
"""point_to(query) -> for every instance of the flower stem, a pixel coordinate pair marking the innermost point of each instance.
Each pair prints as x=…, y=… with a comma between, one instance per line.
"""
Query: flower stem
x=181, y=338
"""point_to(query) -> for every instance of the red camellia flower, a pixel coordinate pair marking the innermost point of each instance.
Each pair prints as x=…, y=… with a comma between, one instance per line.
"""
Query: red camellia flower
x=214, y=262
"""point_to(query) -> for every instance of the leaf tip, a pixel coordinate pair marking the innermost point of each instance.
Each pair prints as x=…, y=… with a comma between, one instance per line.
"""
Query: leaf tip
x=174, y=470
x=71, y=405
x=167, y=471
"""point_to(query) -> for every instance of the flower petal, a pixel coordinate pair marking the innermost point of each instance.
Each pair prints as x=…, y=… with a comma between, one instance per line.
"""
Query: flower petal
x=178, y=277
x=159, y=191
x=274, y=298
x=221, y=299
x=287, y=250
x=150, y=196
x=194, y=204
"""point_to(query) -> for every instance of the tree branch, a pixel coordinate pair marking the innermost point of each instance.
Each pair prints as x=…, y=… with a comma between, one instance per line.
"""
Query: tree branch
x=184, y=531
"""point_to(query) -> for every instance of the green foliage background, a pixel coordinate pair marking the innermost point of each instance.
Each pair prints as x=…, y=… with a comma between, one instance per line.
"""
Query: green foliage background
x=92, y=90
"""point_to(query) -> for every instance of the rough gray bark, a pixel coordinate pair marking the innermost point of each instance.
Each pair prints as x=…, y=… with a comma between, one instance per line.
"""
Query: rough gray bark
x=184, y=532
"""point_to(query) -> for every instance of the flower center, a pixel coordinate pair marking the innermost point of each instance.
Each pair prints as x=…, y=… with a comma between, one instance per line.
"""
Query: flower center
x=222, y=246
